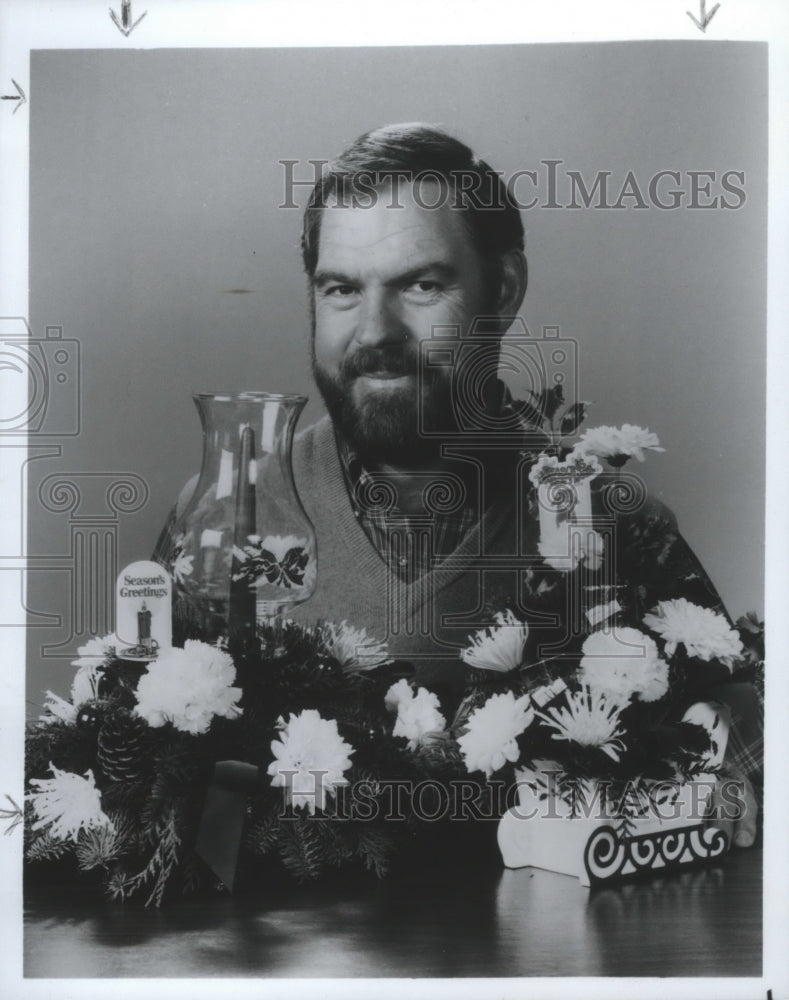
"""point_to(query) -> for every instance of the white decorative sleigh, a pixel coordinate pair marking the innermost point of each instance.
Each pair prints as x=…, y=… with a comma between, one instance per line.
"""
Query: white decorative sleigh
x=541, y=832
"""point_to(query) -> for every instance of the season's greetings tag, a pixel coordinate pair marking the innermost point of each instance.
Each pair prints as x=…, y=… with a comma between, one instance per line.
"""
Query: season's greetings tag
x=143, y=602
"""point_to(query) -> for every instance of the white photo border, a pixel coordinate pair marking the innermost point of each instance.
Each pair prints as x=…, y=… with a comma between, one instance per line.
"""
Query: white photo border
x=33, y=24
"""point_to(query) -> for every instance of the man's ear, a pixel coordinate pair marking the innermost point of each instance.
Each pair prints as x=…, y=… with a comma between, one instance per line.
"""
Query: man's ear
x=512, y=288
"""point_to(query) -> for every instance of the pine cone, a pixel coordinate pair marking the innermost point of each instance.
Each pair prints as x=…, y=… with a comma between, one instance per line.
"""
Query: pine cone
x=122, y=754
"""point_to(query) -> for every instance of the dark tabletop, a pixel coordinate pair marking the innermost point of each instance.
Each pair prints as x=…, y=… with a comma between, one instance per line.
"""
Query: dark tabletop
x=444, y=920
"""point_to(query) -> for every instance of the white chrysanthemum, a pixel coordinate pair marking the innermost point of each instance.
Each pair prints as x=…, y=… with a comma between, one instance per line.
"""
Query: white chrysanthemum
x=492, y=731
x=622, y=664
x=67, y=804
x=499, y=647
x=589, y=719
x=568, y=543
x=188, y=687
x=613, y=442
x=703, y=632
x=418, y=714
x=311, y=758
x=58, y=708
x=353, y=648
x=94, y=651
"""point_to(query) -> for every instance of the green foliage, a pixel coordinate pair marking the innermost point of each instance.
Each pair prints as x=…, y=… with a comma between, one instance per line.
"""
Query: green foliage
x=302, y=848
x=162, y=863
x=45, y=847
x=58, y=743
x=100, y=846
x=377, y=847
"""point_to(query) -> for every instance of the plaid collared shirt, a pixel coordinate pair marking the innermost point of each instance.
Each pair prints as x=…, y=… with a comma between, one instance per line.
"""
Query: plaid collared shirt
x=745, y=749
x=410, y=543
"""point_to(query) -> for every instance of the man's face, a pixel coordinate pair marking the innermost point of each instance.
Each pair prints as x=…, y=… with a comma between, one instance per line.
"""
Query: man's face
x=385, y=277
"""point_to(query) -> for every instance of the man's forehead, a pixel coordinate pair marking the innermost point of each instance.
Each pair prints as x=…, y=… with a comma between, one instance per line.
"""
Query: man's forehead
x=387, y=229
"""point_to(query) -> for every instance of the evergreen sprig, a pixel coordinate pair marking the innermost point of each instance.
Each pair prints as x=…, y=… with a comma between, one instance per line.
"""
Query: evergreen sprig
x=160, y=866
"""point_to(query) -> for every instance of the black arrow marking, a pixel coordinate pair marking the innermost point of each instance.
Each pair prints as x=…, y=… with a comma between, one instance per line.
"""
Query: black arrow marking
x=704, y=18
x=18, y=96
x=124, y=23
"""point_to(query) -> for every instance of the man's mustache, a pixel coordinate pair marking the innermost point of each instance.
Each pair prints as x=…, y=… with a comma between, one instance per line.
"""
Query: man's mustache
x=392, y=360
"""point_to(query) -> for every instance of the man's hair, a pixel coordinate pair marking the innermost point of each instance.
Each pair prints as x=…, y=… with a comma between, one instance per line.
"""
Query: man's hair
x=419, y=153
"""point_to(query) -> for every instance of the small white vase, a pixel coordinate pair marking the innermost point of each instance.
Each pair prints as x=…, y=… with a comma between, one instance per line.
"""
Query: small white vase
x=541, y=832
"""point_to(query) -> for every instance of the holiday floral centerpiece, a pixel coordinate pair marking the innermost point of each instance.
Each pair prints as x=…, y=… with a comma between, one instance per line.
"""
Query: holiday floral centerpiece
x=283, y=748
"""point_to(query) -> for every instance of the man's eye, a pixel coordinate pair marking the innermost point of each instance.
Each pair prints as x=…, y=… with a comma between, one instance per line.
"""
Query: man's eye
x=339, y=291
x=424, y=287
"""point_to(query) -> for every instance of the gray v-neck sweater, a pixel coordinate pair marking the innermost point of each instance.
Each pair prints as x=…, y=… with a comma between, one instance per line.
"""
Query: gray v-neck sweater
x=426, y=621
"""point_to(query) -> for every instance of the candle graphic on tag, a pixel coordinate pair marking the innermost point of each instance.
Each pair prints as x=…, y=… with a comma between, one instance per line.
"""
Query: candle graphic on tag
x=144, y=628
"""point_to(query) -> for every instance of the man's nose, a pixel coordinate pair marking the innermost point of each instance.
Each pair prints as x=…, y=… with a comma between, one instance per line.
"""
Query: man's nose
x=379, y=322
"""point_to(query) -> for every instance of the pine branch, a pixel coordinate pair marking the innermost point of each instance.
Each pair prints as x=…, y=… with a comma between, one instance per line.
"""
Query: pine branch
x=127, y=797
x=47, y=848
x=632, y=804
x=100, y=846
x=376, y=847
x=192, y=877
x=175, y=772
x=262, y=835
x=335, y=841
x=300, y=849
x=58, y=743
x=159, y=868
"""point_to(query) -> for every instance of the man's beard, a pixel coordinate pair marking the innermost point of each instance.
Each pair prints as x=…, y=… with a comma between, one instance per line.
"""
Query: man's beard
x=397, y=426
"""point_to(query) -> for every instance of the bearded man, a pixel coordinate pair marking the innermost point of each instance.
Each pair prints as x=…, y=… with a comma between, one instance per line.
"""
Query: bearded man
x=411, y=246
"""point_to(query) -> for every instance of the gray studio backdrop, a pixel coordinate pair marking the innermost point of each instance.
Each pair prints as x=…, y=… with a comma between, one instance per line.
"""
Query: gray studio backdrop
x=158, y=244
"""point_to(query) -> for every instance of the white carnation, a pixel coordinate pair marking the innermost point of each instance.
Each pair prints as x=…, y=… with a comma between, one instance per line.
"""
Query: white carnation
x=398, y=692
x=188, y=687
x=418, y=714
x=490, y=739
x=623, y=663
